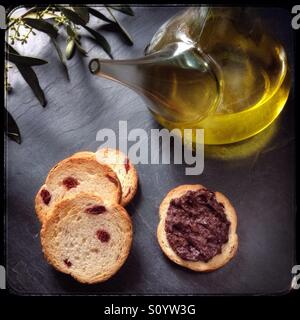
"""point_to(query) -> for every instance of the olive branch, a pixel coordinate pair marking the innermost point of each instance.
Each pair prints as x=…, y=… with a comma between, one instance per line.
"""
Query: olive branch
x=51, y=20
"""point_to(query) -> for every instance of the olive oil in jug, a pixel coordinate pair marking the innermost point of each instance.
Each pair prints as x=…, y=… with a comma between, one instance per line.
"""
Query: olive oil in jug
x=210, y=68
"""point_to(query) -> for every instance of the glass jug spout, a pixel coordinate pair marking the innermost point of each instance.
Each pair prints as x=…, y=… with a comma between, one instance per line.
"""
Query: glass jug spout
x=179, y=83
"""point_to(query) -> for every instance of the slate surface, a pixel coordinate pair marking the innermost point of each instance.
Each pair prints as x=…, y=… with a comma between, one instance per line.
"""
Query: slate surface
x=260, y=185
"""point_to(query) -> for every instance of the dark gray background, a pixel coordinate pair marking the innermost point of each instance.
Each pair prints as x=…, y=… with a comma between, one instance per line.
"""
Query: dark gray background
x=260, y=184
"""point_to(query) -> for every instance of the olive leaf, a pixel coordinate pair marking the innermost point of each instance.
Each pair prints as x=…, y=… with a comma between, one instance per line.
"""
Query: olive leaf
x=99, y=15
x=73, y=42
x=111, y=27
x=100, y=40
x=126, y=9
x=72, y=15
x=11, y=128
x=32, y=80
x=70, y=49
x=71, y=33
x=79, y=47
x=30, y=77
x=61, y=57
x=75, y=18
x=24, y=60
x=83, y=12
x=51, y=31
x=120, y=28
x=43, y=26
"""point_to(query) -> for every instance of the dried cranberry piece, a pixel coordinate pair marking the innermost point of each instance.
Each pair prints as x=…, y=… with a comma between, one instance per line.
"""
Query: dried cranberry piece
x=70, y=183
x=46, y=196
x=127, y=165
x=103, y=235
x=95, y=209
x=68, y=263
x=112, y=179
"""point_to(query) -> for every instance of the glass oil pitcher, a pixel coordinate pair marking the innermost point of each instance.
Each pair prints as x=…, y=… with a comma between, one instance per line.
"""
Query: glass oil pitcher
x=211, y=68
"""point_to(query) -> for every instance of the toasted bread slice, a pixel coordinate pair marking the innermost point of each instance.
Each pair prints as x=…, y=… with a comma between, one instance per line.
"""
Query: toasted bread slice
x=124, y=169
x=87, y=238
x=73, y=175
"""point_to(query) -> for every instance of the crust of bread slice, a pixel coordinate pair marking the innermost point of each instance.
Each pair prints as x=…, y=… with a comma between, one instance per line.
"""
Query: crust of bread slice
x=71, y=244
x=93, y=177
x=83, y=154
x=229, y=249
x=127, y=174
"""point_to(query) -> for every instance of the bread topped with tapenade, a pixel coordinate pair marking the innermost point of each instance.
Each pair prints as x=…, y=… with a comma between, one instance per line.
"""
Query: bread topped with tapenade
x=197, y=228
x=124, y=169
x=87, y=238
x=80, y=173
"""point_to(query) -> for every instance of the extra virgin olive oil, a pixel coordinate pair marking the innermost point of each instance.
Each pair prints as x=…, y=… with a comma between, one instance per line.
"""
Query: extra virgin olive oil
x=251, y=71
x=216, y=69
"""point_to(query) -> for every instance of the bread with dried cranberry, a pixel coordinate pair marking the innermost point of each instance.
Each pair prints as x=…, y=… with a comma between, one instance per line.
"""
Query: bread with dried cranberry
x=124, y=169
x=228, y=249
x=73, y=175
x=87, y=238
